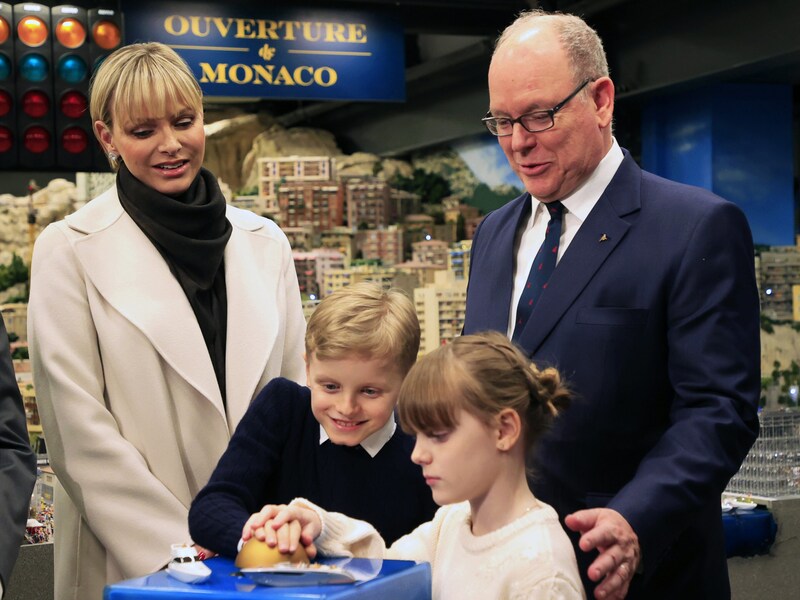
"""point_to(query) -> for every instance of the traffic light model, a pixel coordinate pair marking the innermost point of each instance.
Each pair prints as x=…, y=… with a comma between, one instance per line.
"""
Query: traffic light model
x=34, y=83
x=74, y=140
x=105, y=36
x=8, y=91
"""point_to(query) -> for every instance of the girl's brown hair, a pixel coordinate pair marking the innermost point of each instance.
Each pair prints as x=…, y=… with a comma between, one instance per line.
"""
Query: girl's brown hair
x=483, y=374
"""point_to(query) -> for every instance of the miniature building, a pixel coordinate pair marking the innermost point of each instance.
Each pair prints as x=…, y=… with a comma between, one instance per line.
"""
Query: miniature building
x=424, y=273
x=300, y=238
x=470, y=225
x=252, y=203
x=305, y=266
x=342, y=239
x=326, y=260
x=318, y=204
x=334, y=279
x=402, y=204
x=15, y=316
x=440, y=308
x=780, y=269
x=385, y=244
x=458, y=260
x=274, y=171
x=368, y=202
x=432, y=252
x=416, y=228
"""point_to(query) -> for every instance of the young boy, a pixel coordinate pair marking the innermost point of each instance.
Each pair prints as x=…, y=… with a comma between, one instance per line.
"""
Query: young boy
x=334, y=442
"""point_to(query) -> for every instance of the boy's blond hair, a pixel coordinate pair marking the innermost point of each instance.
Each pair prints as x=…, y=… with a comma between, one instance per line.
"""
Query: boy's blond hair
x=366, y=320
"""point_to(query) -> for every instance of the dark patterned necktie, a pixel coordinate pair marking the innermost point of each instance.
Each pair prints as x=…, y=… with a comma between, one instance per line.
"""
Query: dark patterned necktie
x=542, y=268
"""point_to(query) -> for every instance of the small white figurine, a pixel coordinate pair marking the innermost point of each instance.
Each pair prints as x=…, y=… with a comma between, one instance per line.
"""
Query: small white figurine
x=185, y=565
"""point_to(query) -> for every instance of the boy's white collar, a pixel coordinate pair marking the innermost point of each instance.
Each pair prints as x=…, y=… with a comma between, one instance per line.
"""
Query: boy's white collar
x=373, y=443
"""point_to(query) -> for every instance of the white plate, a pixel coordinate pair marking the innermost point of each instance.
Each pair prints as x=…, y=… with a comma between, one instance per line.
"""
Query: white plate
x=293, y=575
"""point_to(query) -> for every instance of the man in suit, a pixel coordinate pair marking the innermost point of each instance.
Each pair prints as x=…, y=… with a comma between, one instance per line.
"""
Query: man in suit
x=651, y=313
x=17, y=465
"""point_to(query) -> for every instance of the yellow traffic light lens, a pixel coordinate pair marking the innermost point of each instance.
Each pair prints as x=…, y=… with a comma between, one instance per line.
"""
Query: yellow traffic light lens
x=32, y=31
x=70, y=32
x=5, y=30
x=106, y=35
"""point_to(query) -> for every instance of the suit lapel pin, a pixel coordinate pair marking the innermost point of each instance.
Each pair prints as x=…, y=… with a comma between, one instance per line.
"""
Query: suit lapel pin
x=603, y=238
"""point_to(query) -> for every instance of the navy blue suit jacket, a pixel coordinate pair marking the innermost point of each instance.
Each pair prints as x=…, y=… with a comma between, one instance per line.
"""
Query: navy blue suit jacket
x=652, y=316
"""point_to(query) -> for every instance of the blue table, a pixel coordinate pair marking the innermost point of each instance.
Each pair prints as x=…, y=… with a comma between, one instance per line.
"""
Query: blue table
x=748, y=533
x=397, y=580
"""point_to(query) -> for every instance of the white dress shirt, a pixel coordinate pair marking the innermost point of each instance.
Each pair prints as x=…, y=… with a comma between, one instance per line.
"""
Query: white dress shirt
x=577, y=207
x=374, y=442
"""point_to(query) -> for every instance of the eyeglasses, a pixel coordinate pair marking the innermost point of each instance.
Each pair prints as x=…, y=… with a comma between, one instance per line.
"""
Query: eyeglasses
x=533, y=122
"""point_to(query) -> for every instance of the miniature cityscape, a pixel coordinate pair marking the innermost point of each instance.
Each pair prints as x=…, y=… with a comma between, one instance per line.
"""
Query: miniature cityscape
x=355, y=217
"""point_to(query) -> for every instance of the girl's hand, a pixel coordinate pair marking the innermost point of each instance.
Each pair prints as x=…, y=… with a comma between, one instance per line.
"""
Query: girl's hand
x=254, y=527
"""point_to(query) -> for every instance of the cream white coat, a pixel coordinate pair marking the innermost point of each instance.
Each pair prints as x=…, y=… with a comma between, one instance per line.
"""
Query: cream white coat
x=131, y=409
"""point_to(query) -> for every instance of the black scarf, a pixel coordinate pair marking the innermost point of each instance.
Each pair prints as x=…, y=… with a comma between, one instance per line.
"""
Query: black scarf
x=190, y=231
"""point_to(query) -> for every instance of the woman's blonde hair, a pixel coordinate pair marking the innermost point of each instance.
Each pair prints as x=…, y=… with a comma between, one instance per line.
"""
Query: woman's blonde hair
x=482, y=374
x=366, y=320
x=142, y=80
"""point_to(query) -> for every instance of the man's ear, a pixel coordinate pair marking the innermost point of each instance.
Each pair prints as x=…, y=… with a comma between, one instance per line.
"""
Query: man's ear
x=509, y=429
x=603, y=100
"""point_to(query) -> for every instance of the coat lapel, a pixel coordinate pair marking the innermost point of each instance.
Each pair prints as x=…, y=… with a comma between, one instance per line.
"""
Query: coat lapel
x=490, y=297
x=252, y=276
x=138, y=284
x=597, y=238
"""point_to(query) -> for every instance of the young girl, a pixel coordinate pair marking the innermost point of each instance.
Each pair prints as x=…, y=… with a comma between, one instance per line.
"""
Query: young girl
x=476, y=405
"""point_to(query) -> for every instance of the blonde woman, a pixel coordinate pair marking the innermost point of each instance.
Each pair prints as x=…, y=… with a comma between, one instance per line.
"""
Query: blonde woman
x=156, y=315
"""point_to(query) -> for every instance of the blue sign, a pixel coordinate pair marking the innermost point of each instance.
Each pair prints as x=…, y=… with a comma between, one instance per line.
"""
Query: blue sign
x=256, y=50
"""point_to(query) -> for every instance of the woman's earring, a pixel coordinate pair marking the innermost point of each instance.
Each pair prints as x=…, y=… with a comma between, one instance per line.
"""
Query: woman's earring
x=113, y=159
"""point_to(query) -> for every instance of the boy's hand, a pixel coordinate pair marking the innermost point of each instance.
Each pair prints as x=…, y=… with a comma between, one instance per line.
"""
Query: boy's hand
x=284, y=526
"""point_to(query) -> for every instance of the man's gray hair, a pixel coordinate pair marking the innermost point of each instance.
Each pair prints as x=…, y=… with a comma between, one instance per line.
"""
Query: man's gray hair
x=581, y=43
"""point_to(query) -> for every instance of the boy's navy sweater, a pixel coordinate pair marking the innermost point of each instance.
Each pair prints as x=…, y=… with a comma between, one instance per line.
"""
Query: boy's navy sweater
x=275, y=456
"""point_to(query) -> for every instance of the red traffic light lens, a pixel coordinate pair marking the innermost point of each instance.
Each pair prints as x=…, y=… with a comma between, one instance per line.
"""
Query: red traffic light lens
x=106, y=35
x=35, y=104
x=5, y=103
x=6, y=139
x=74, y=140
x=32, y=31
x=70, y=32
x=36, y=139
x=73, y=105
x=5, y=30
